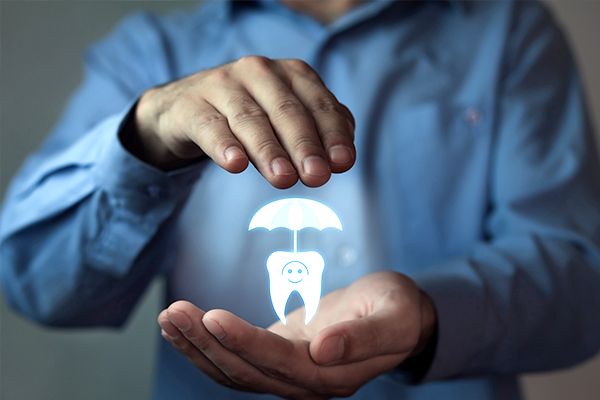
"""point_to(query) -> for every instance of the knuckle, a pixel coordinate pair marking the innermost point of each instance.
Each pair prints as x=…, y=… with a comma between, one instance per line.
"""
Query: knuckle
x=219, y=75
x=246, y=110
x=325, y=105
x=332, y=137
x=301, y=67
x=203, y=121
x=247, y=115
x=185, y=103
x=266, y=147
x=348, y=114
x=286, y=107
x=304, y=144
x=257, y=63
x=201, y=342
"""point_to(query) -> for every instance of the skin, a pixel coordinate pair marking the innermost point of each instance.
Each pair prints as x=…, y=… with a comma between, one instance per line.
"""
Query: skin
x=359, y=332
x=276, y=114
x=324, y=11
x=279, y=116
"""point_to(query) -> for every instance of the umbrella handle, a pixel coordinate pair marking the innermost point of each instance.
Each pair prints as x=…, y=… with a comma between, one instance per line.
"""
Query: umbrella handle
x=295, y=241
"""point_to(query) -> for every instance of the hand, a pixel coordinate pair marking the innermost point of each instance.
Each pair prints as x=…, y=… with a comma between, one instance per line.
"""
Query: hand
x=381, y=313
x=277, y=114
x=358, y=333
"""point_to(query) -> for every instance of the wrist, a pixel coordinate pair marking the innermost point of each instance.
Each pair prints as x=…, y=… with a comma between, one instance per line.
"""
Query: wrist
x=139, y=136
x=428, y=324
x=415, y=367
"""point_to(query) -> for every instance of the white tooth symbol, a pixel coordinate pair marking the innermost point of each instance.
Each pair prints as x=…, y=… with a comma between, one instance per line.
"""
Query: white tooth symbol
x=300, y=272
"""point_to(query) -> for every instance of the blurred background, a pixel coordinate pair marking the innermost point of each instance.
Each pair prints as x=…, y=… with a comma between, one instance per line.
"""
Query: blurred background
x=41, y=44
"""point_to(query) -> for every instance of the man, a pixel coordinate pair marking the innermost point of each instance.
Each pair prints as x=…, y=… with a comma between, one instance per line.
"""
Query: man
x=464, y=172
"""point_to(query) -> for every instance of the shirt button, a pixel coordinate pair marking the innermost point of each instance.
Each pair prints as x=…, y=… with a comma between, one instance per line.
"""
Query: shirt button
x=472, y=116
x=154, y=191
x=347, y=256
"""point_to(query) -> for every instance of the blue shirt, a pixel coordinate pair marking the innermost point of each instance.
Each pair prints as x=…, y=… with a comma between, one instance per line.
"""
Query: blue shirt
x=476, y=176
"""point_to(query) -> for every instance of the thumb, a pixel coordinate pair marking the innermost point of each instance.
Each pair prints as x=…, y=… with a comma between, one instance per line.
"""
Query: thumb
x=384, y=332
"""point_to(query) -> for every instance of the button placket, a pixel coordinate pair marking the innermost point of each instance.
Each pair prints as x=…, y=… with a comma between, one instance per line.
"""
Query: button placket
x=154, y=191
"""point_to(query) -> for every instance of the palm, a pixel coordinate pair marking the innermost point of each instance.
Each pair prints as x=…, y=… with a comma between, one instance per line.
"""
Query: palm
x=366, y=296
x=358, y=333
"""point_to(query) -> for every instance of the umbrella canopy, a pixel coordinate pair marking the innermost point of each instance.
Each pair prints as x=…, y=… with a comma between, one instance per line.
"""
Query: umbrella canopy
x=295, y=214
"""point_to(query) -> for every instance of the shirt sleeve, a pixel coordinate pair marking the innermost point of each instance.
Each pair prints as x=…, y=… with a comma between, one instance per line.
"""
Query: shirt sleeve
x=78, y=230
x=527, y=299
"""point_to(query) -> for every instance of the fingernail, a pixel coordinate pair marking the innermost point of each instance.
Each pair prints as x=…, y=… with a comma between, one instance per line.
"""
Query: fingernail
x=167, y=336
x=214, y=328
x=316, y=166
x=232, y=153
x=282, y=166
x=170, y=330
x=180, y=320
x=332, y=349
x=340, y=154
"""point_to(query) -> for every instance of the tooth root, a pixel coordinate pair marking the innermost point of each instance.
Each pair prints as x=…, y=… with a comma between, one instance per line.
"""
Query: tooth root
x=311, y=302
x=311, y=290
x=280, y=294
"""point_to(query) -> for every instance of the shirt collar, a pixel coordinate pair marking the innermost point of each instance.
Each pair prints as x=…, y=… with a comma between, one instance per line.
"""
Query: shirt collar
x=232, y=6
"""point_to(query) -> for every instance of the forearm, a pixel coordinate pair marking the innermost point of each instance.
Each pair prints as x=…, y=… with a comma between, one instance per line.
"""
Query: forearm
x=527, y=298
x=75, y=235
x=514, y=306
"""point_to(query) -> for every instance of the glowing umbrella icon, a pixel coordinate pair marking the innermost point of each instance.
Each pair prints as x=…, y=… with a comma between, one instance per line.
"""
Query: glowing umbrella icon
x=298, y=271
x=295, y=214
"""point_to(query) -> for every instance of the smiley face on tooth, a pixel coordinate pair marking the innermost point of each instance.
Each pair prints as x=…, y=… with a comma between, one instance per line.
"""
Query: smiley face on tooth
x=294, y=271
x=299, y=272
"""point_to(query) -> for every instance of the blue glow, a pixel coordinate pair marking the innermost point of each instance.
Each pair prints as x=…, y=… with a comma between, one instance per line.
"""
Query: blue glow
x=286, y=268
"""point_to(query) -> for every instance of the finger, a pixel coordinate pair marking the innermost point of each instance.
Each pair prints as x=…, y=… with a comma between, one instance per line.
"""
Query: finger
x=363, y=338
x=249, y=343
x=289, y=360
x=210, y=131
x=333, y=120
x=291, y=121
x=171, y=334
x=251, y=127
x=349, y=117
x=188, y=319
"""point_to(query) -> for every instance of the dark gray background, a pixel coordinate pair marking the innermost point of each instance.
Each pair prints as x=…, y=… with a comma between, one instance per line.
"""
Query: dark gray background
x=40, y=64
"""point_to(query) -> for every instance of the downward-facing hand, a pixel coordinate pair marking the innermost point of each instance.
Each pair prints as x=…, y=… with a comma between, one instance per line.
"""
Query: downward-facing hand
x=277, y=114
x=358, y=333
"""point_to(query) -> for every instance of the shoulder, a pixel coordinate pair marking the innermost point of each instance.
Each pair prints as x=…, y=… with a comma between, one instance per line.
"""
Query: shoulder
x=536, y=40
x=145, y=44
x=532, y=22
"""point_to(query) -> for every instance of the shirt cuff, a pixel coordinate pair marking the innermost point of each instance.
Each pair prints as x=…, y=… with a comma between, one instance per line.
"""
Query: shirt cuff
x=459, y=298
x=123, y=175
x=138, y=198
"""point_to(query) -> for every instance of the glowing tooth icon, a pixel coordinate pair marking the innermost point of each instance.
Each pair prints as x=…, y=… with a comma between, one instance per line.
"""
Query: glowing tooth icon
x=287, y=276
x=295, y=271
